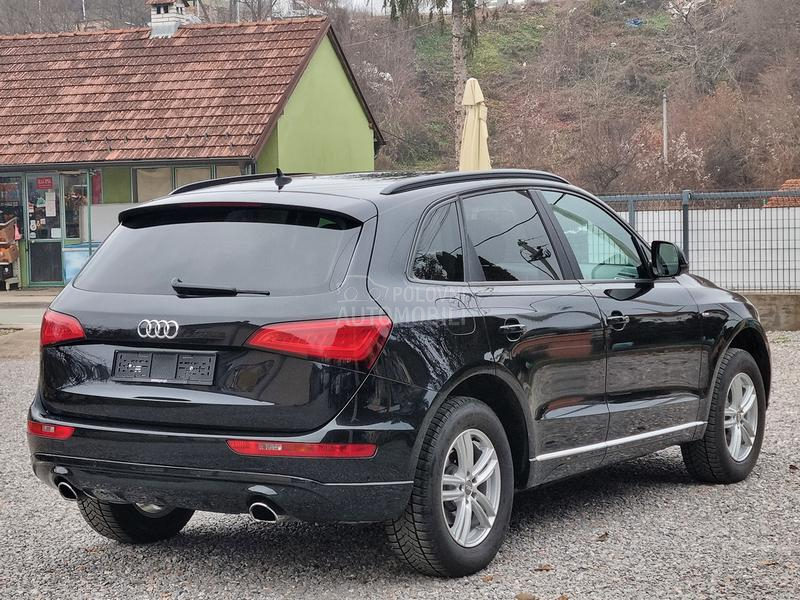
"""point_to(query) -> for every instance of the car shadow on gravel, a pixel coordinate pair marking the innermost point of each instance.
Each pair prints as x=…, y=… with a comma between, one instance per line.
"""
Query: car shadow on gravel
x=257, y=551
x=616, y=483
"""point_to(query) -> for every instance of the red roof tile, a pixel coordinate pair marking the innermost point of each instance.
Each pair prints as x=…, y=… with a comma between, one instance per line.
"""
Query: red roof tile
x=785, y=201
x=210, y=91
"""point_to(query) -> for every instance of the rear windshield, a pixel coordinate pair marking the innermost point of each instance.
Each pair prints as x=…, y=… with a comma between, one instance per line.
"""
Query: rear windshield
x=283, y=251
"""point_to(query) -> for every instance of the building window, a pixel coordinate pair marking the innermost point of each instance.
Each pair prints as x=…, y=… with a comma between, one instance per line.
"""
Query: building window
x=229, y=171
x=152, y=183
x=187, y=175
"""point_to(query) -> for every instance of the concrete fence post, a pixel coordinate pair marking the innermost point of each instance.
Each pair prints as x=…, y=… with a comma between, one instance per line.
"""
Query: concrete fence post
x=686, y=196
x=631, y=212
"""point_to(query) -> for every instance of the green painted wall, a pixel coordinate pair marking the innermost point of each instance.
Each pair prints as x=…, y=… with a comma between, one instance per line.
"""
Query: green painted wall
x=323, y=128
x=116, y=185
x=268, y=160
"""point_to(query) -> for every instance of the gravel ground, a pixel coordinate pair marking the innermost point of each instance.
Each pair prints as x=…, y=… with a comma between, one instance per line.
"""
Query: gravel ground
x=637, y=530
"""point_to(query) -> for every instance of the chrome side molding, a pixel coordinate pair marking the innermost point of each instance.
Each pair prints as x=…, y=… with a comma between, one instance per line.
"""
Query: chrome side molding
x=617, y=442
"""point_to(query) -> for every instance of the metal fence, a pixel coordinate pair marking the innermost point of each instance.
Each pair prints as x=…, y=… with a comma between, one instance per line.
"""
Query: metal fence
x=746, y=240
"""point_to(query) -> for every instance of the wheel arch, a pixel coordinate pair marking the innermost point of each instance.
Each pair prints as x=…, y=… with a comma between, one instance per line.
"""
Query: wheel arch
x=754, y=341
x=746, y=335
x=503, y=394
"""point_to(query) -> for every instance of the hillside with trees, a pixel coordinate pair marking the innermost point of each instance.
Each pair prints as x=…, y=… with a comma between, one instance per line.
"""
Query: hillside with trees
x=572, y=85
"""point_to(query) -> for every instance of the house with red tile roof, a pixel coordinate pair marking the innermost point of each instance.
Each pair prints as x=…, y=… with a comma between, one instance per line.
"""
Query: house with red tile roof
x=785, y=201
x=95, y=118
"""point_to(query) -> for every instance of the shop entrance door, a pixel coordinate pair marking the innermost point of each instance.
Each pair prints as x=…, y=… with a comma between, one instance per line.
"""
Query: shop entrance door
x=45, y=229
x=11, y=224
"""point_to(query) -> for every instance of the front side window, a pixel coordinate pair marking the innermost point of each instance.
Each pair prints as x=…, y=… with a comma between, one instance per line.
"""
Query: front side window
x=508, y=235
x=603, y=247
x=438, y=255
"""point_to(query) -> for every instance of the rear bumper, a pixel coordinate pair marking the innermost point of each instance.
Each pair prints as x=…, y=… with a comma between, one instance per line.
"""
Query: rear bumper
x=197, y=470
x=224, y=491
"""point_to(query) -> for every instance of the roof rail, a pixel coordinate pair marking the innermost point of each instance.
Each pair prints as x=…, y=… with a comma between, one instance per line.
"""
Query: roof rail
x=207, y=183
x=424, y=181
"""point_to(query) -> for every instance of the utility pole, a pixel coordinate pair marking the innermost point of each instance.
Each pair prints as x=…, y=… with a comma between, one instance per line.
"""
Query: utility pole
x=83, y=8
x=664, y=130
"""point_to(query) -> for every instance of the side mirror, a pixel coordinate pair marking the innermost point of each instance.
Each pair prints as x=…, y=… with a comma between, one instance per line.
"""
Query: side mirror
x=668, y=260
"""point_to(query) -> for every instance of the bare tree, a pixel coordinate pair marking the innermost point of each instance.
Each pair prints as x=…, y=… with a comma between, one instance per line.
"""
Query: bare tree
x=256, y=10
x=120, y=13
x=464, y=36
x=704, y=40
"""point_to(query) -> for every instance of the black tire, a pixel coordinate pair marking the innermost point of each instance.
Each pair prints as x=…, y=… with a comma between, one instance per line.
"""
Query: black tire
x=128, y=524
x=420, y=536
x=708, y=459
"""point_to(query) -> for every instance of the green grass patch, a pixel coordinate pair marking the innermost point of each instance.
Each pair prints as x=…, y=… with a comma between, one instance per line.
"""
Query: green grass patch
x=658, y=22
x=505, y=45
x=502, y=45
x=432, y=47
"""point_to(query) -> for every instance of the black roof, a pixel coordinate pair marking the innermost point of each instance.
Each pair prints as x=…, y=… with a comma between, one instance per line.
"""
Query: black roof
x=367, y=184
x=360, y=195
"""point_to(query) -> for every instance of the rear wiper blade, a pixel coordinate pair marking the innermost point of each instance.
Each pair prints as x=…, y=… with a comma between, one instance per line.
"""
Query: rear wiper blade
x=187, y=290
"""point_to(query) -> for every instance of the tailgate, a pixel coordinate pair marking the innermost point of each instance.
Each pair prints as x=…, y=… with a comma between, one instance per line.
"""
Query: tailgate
x=153, y=357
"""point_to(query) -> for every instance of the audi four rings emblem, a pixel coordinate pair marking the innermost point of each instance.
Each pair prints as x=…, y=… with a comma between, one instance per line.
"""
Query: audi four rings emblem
x=157, y=329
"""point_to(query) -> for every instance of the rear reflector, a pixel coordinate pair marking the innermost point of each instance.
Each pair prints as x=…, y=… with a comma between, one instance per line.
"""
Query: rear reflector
x=301, y=450
x=358, y=340
x=58, y=328
x=46, y=430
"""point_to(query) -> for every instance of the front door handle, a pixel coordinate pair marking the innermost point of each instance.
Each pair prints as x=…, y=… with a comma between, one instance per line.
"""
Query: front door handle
x=617, y=321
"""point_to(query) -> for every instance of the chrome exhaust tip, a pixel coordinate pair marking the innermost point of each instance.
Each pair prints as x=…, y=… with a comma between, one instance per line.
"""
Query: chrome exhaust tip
x=67, y=491
x=261, y=511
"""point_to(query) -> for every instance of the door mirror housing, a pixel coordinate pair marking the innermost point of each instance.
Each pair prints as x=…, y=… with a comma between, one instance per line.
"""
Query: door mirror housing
x=668, y=260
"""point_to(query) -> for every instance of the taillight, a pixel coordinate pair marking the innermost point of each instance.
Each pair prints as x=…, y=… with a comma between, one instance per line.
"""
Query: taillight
x=301, y=449
x=355, y=340
x=46, y=430
x=58, y=328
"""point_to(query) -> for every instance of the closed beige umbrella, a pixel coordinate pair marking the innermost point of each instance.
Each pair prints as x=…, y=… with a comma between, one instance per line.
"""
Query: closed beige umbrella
x=474, y=155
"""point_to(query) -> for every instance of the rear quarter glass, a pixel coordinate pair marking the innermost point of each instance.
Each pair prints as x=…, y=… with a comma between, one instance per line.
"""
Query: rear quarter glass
x=287, y=251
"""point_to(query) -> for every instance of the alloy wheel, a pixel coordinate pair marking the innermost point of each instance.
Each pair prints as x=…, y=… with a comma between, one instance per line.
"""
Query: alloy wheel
x=471, y=488
x=741, y=417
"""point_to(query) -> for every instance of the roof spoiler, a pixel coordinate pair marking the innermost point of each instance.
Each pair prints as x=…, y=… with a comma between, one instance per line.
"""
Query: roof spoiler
x=207, y=183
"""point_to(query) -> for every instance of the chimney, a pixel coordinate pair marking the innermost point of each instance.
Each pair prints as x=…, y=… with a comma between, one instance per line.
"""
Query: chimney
x=166, y=16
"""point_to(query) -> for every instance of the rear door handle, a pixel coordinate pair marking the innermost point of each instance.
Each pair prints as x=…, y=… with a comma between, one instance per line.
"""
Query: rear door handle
x=617, y=321
x=512, y=328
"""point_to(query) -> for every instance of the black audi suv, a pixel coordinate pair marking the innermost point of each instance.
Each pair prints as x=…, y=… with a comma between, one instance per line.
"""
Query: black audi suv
x=381, y=348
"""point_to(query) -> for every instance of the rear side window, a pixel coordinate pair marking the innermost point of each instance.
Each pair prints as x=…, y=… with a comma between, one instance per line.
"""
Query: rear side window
x=439, y=255
x=509, y=237
x=283, y=250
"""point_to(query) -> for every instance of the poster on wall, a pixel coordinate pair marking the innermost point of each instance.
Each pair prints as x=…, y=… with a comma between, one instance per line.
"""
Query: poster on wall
x=50, y=204
x=44, y=183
